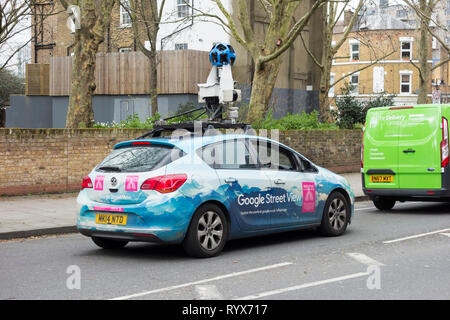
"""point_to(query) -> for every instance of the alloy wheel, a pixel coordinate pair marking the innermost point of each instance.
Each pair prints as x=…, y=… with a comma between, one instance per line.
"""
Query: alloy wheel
x=210, y=230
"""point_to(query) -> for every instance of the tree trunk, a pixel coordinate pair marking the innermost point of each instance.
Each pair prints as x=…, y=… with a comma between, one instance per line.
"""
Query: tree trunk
x=264, y=79
x=324, y=103
x=80, y=113
x=423, y=52
x=95, y=18
x=154, y=82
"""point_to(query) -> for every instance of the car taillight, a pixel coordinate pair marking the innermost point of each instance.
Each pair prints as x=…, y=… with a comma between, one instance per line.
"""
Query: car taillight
x=165, y=184
x=87, y=183
x=444, y=144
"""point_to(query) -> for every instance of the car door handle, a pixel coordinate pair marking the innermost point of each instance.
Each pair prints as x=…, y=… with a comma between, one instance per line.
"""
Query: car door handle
x=230, y=180
x=279, y=181
x=409, y=151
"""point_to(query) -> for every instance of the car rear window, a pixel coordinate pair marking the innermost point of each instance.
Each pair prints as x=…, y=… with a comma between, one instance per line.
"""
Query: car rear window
x=139, y=158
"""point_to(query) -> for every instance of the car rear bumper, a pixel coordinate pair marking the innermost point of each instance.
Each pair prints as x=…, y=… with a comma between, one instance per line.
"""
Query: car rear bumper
x=131, y=234
x=120, y=235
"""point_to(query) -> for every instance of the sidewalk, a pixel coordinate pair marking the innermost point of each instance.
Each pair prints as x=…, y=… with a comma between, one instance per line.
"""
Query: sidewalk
x=38, y=215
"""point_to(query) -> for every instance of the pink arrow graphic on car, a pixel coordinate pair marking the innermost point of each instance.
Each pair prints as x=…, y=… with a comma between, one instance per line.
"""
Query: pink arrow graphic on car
x=131, y=183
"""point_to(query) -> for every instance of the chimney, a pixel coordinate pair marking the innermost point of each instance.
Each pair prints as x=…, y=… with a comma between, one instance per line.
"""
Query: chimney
x=348, y=14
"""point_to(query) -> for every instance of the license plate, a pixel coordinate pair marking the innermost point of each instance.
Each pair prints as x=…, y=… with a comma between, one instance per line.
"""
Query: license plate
x=379, y=178
x=106, y=218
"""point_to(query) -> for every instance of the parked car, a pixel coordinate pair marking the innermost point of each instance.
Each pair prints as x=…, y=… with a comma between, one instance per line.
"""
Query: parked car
x=405, y=154
x=202, y=191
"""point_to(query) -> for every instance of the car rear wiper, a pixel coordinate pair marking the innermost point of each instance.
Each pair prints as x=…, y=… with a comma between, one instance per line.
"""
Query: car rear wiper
x=110, y=168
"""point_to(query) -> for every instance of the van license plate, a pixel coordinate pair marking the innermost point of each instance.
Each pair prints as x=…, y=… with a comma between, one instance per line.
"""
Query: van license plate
x=105, y=218
x=379, y=178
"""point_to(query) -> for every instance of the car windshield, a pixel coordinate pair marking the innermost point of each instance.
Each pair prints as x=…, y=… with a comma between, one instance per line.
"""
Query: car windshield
x=139, y=159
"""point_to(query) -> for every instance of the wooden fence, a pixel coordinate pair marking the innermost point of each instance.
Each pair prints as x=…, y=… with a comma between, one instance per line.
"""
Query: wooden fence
x=37, y=79
x=129, y=73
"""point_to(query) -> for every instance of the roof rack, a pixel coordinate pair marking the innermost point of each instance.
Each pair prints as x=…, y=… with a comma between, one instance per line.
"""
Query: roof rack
x=190, y=126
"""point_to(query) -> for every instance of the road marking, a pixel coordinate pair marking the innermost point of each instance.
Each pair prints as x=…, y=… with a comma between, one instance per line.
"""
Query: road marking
x=208, y=292
x=404, y=205
x=229, y=275
x=416, y=236
x=362, y=258
x=303, y=286
x=445, y=234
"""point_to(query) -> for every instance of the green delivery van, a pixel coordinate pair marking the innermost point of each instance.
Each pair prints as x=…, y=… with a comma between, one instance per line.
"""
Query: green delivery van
x=405, y=154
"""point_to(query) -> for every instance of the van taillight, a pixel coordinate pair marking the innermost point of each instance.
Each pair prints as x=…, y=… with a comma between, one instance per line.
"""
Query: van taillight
x=444, y=143
x=362, y=148
x=87, y=183
x=165, y=184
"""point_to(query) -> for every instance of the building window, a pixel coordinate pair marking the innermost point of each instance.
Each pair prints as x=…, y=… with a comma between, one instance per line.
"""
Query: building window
x=125, y=50
x=378, y=79
x=183, y=8
x=332, y=79
x=354, y=82
x=125, y=19
x=181, y=46
x=354, y=50
x=406, y=49
x=401, y=13
x=448, y=7
x=405, y=82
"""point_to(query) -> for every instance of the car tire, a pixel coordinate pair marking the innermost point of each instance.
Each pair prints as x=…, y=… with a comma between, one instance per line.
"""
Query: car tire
x=207, y=233
x=109, y=243
x=382, y=203
x=336, y=215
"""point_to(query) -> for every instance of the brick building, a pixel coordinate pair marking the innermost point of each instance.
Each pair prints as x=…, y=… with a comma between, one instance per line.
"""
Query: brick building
x=379, y=34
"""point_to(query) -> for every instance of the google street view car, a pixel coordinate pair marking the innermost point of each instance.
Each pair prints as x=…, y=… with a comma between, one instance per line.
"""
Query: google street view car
x=202, y=190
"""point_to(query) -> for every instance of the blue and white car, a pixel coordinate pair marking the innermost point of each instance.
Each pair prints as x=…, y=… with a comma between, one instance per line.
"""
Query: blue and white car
x=203, y=191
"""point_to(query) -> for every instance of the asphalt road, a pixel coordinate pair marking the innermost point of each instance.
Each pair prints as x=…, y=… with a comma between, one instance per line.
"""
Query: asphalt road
x=400, y=254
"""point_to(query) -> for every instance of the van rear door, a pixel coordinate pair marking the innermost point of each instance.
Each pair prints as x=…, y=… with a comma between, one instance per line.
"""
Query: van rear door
x=419, y=158
x=380, y=160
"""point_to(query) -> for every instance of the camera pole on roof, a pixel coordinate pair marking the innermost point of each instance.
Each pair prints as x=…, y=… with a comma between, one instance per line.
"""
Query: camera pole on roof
x=218, y=93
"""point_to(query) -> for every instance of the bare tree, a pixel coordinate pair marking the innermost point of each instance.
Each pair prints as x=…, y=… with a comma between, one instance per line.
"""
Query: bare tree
x=424, y=10
x=334, y=12
x=95, y=17
x=283, y=27
x=146, y=18
x=15, y=22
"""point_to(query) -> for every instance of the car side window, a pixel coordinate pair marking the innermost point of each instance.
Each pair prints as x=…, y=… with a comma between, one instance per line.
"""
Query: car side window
x=307, y=166
x=274, y=156
x=229, y=154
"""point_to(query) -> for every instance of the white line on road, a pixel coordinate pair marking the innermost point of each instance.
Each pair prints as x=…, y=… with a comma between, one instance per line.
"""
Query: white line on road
x=445, y=234
x=303, y=286
x=229, y=275
x=362, y=258
x=208, y=292
x=403, y=206
x=416, y=236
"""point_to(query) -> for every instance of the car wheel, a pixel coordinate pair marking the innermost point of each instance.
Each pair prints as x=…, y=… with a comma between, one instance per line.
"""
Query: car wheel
x=208, y=232
x=382, y=203
x=336, y=214
x=109, y=243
